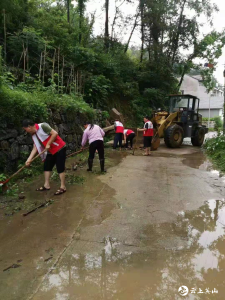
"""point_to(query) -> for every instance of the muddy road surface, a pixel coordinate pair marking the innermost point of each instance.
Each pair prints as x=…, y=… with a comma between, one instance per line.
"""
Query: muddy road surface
x=151, y=228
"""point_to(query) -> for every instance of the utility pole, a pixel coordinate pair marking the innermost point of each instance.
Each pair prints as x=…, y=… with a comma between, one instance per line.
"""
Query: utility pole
x=209, y=108
x=224, y=101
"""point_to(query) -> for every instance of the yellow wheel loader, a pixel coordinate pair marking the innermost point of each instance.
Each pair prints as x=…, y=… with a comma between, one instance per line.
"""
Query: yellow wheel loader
x=182, y=120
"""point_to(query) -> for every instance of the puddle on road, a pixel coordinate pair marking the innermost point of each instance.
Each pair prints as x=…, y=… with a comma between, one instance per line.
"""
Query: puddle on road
x=197, y=160
x=188, y=252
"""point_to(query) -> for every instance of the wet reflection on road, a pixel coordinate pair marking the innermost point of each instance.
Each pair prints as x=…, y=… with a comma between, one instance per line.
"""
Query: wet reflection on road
x=188, y=252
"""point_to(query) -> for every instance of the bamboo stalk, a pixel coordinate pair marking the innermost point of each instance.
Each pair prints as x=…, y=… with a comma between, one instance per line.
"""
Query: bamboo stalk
x=27, y=57
x=83, y=85
x=44, y=64
x=4, y=35
x=74, y=78
x=72, y=81
x=24, y=63
x=40, y=67
x=20, y=59
x=53, y=65
x=58, y=66
x=62, y=74
x=80, y=83
x=77, y=82
x=68, y=81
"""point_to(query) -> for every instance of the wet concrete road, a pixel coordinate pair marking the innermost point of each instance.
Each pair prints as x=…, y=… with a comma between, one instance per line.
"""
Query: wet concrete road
x=146, y=228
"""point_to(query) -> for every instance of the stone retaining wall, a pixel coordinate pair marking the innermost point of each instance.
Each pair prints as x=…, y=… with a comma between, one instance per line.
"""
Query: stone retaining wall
x=15, y=144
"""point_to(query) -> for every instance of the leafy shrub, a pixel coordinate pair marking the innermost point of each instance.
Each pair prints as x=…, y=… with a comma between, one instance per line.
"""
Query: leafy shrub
x=98, y=89
x=17, y=105
x=218, y=123
x=215, y=149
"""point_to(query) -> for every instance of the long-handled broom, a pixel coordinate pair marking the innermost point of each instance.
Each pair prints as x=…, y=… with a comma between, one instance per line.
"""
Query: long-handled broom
x=7, y=180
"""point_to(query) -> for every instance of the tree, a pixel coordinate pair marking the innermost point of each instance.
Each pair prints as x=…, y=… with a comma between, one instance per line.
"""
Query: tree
x=68, y=10
x=81, y=10
x=51, y=45
x=106, y=25
x=209, y=48
x=141, y=5
x=131, y=33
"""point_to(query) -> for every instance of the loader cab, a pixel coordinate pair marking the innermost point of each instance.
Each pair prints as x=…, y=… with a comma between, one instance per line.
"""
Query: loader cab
x=184, y=103
x=187, y=107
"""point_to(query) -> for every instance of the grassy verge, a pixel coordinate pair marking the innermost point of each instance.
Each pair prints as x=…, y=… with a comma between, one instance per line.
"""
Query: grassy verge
x=215, y=150
x=14, y=198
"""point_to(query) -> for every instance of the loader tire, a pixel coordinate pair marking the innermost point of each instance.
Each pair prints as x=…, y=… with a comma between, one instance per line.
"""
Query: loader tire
x=174, y=136
x=198, y=137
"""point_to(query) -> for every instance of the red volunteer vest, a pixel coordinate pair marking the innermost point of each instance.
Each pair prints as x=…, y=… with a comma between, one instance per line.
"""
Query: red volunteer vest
x=149, y=131
x=129, y=131
x=119, y=127
x=44, y=138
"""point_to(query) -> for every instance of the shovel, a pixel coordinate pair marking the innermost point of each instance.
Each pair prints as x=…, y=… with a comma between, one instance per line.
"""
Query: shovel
x=135, y=146
x=7, y=180
x=74, y=153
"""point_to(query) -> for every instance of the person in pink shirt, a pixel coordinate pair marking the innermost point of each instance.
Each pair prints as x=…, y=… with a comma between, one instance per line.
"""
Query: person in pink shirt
x=94, y=135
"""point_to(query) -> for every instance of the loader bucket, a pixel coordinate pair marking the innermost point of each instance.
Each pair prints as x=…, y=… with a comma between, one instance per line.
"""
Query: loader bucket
x=155, y=143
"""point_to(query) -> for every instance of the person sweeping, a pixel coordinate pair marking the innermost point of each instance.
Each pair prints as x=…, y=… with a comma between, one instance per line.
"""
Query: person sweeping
x=129, y=135
x=148, y=133
x=119, y=128
x=94, y=134
x=44, y=137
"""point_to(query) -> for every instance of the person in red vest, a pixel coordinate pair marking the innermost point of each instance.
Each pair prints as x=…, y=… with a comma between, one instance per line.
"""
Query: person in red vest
x=148, y=133
x=44, y=137
x=118, y=126
x=129, y=135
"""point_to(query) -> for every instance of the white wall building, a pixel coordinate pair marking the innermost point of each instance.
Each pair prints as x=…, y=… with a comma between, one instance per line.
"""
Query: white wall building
x=193, y=85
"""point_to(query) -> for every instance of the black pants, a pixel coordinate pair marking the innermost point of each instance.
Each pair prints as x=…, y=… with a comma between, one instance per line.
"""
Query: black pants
x=130, y=138
x=147, y=141
x=118, y=138
x=57, y=159
x=96, y=145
